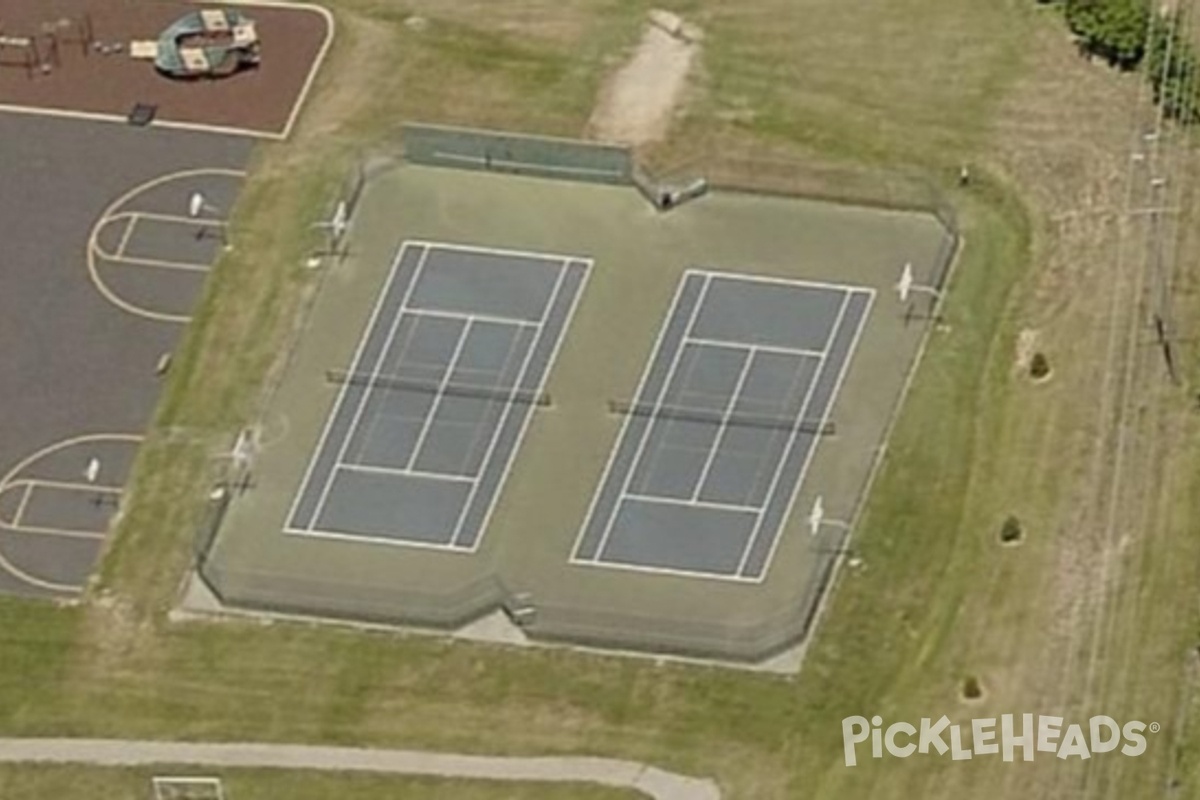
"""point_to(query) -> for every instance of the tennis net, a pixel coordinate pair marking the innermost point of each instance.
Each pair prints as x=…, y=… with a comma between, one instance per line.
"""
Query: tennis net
x=735, y=419
x=397, y=383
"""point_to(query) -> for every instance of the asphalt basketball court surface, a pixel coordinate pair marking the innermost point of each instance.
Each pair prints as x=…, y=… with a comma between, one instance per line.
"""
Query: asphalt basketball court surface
x=85, y=328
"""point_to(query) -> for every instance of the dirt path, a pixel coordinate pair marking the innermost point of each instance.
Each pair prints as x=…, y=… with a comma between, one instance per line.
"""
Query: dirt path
x=638, y=101
x=121, y=753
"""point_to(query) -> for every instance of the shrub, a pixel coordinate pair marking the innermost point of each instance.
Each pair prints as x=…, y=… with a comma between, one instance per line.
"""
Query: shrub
x=1011, y=531
x=1039, y=366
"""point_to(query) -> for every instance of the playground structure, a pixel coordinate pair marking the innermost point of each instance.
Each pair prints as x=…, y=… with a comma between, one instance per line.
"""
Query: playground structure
x=38, y=51
x=207, y=43
x=141, y=83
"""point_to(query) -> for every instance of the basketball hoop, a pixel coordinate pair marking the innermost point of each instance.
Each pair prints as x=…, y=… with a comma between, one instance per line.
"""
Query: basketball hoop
x=198, y=204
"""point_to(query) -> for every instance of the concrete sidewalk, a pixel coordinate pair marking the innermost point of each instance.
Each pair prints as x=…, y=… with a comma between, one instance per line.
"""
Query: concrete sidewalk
x=650, y=781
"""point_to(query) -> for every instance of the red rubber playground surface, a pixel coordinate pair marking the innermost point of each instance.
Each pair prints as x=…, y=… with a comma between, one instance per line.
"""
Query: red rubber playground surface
x=262, y=101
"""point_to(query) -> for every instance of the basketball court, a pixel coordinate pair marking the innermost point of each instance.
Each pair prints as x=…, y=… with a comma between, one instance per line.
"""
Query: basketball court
x=127, y=179
x=94, y=243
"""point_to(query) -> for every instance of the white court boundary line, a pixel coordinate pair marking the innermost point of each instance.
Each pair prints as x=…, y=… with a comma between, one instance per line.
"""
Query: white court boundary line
x=794, y=436
x=676, y=357
x=405, y=308
x=439, y=397
x=199, y=127
x=487, y=319
x=752, y=350
x=563, y=269
x=541, y=387
x=469, y=321
x=758, y=348
x=793, y=386
x=837, y=389
x=615, y=448
x=30, y=485
x=521, y=327
x=710, y=505
x=371, y=469
x=498, y=251
x=156, y=216
x=12, y=478
x=336, y=408
x=364, y=400
x=847, y=291
x=153, y=263
x=126, y=235
x=750, y=277
x=793, y=431
x=95, y=268
x=723, y=426
x=45, y=532
x=834, y=332
x=133, y=219
x=563, y=263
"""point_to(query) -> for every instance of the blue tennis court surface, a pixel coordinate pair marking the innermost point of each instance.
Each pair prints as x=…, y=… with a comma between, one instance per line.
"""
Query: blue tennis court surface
x=723, y=426
x=432, y=410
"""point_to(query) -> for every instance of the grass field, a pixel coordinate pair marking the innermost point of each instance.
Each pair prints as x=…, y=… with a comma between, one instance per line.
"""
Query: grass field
x=1094, y=613
x=94, y=783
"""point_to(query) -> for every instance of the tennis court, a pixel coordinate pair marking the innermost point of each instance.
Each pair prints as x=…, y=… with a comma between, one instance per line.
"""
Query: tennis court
x=527, y=408
x=724, y=425
x=434, y=406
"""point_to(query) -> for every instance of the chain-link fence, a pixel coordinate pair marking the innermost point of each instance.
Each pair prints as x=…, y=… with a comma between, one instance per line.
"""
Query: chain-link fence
x=449, y=606
x=520, y=154
x=748, y=640
x=452, y=604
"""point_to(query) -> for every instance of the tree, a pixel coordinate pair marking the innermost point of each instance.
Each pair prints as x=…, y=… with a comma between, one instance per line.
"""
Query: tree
x=1112, y=29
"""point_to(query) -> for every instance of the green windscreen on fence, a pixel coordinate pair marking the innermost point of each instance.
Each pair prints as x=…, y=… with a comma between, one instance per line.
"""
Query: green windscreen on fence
x=546, y=157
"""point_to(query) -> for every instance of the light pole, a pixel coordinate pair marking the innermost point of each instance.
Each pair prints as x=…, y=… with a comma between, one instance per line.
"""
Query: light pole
x=818, y=520
x=907, y=285
x=335, y=228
